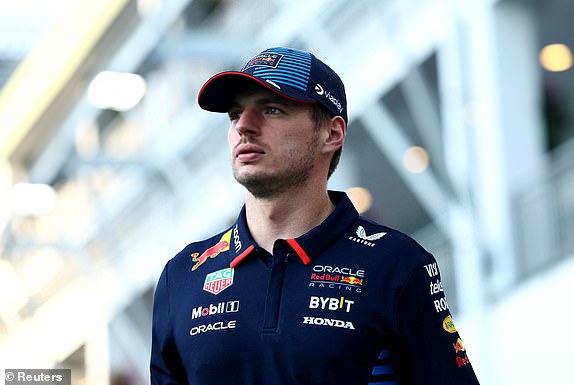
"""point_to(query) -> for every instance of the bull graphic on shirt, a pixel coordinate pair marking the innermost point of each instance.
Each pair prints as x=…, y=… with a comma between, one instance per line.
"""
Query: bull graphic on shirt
x=212, y=252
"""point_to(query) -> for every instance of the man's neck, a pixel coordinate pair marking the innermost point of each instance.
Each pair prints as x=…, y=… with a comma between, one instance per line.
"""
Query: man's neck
x=288, y=215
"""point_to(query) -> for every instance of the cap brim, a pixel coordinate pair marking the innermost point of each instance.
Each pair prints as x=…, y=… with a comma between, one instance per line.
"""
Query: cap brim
x=218, y=93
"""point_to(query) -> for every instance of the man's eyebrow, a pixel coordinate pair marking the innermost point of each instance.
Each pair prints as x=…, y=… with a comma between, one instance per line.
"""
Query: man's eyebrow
x=274, y=100
x=234, y=103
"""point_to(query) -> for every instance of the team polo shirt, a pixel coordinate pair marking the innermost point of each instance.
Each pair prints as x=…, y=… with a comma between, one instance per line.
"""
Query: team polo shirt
x=349, y=302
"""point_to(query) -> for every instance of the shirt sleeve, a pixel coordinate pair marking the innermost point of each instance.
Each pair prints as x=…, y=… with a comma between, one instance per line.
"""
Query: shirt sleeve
x=430, y=348
x=165, y=365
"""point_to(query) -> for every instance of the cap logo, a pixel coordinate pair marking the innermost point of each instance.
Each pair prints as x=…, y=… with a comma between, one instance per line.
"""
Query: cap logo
x=273, y=83
x=264, y=59
x=332, y=99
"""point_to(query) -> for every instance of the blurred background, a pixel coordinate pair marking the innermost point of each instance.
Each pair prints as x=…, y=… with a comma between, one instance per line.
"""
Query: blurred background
x=461, y=135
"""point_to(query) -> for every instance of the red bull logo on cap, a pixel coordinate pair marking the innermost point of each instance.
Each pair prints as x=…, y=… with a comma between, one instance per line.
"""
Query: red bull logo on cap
x=212, y=252
x=263, y=59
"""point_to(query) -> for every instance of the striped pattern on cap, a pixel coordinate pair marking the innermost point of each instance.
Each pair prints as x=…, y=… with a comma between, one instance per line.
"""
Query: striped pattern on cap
x=292, y=68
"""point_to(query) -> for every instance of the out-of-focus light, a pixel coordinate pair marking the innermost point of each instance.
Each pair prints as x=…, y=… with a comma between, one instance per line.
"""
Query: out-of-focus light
x=5, y=188
x=416, y=159
x=14, y=294
x=87, y=139
x=147, y=7
x=40, y=267
x=33, y=199
x=556, y=57
x=115, y=90
x=51, y=65
x=361, y=198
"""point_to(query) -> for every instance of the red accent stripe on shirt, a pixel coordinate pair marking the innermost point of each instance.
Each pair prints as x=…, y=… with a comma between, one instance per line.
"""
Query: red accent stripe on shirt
x=241, y=256
x=299, y=250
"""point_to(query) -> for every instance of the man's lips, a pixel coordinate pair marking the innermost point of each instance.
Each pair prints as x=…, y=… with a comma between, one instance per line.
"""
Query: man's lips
x=248, y=153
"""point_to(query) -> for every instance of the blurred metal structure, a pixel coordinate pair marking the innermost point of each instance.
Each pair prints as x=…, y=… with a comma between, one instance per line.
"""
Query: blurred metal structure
x=460, y=79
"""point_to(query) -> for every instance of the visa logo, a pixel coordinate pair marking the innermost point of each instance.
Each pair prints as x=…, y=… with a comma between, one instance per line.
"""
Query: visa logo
x=432, y=269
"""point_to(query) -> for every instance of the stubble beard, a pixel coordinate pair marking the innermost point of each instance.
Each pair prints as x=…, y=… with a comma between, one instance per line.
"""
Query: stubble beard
x=295, y=171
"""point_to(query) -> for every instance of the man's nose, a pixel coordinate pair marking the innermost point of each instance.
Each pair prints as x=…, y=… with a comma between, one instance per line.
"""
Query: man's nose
x=248, y=123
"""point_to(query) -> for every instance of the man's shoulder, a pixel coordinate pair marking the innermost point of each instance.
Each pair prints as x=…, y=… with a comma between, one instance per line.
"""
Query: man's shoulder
x=391, y=253
x=390, y=240
x=216, y=243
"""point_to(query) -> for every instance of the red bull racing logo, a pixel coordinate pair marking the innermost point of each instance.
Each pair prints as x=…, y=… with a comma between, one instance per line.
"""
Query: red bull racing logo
x=264, y=59
x=212, y=252
x=341, y=278
x=461, y=360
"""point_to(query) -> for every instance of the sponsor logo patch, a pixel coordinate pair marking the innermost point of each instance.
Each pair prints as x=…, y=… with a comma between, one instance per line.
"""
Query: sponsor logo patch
x=328, y=322
x=334, y=277
x=338, y=270
x=432, y=269
x=216, y=326
x=236, y=240
x=352, y=280
x=462, y=361
x=220, y=308
x=365, y=239
x=458, y=346
x=218, y=281
x=264, y=59
x=448, y=324
x=329, y=303
x=331, y=98
x=212, y=252
x=436, y=287
x=440, y=305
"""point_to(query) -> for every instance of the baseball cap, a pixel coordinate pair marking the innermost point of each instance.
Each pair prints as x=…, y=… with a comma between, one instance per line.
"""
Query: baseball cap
x=294, y=74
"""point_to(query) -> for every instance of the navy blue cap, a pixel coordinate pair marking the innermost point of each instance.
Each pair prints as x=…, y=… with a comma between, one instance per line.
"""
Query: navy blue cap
x=291, y=73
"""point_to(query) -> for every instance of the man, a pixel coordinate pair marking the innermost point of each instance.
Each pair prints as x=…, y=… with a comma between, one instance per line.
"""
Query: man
x=301, y=289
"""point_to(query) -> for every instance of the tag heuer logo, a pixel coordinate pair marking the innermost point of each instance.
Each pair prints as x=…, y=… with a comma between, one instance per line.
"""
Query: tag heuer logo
x=218, y=281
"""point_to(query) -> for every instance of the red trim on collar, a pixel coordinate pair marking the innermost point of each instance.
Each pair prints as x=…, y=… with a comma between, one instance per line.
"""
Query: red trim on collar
x=299, y=250
x=241, y=256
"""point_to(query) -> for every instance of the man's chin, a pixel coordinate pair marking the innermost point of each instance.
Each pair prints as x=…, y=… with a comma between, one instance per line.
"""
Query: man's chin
x=258, y=185
x=267, y=185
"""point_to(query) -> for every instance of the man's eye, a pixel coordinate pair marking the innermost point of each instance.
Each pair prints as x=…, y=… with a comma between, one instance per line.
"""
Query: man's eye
x=273, y=110
x=234, y=115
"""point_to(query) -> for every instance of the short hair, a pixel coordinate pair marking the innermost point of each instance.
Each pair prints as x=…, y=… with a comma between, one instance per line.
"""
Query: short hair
x=320, y=116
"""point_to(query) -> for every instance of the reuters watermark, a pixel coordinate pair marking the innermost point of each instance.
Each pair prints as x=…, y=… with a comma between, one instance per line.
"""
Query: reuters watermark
x=38, y=376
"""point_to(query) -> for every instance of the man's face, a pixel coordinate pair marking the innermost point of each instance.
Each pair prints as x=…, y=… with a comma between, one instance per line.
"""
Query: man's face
x=273, y=142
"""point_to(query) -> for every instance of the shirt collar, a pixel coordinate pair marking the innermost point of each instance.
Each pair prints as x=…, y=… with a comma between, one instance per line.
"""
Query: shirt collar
x=309, y=245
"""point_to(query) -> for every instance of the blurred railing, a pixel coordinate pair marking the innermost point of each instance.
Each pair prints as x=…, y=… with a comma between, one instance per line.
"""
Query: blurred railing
x=435, y=242
x=543, y=220
x=544, y=215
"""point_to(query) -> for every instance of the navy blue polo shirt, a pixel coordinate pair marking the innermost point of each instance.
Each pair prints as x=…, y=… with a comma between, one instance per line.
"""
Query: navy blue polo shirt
x=349, y=302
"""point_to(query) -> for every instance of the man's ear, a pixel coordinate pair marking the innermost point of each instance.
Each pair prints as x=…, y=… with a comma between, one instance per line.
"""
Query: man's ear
x=336, y=130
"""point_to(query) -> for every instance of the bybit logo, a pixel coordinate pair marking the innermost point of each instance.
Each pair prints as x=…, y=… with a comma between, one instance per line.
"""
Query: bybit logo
x=328, y=303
